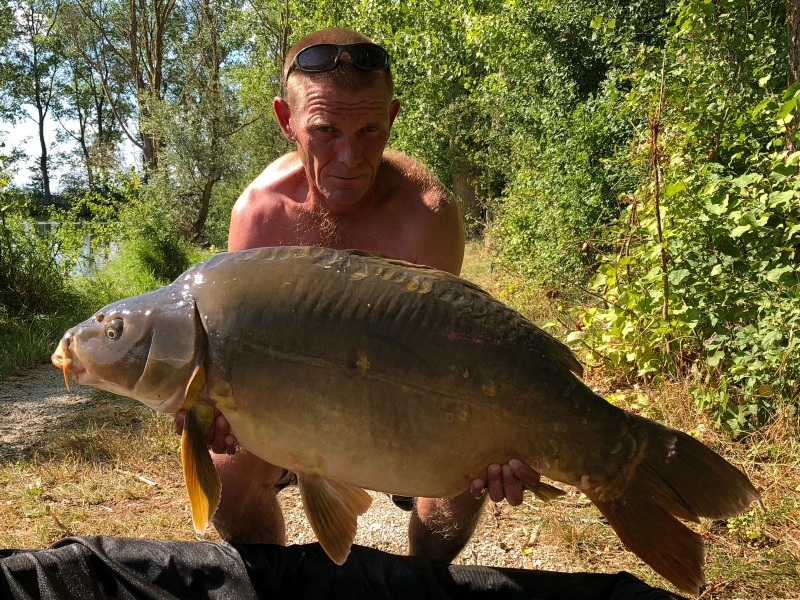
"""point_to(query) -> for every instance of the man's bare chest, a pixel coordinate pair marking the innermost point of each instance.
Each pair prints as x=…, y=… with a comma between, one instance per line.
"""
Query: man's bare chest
x=378, y=232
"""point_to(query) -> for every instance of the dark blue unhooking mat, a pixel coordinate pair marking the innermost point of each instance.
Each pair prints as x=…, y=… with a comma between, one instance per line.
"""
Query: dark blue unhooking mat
x=108, y=567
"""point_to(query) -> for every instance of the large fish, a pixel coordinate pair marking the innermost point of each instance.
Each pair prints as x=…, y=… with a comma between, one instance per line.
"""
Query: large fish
x=360, y=371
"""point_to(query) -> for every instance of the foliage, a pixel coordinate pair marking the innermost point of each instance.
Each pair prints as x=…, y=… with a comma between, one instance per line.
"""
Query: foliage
x=29, y=65
x=708, y=283
x=157, y=227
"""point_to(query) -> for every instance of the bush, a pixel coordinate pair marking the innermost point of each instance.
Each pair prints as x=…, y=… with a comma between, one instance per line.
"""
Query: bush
x=156, y=229
x=708, y=284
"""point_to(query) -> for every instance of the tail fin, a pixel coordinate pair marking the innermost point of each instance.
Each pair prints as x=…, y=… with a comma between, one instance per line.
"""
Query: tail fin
x=677, y=476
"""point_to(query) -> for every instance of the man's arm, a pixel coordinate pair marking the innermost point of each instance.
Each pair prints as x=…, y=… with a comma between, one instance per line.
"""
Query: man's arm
x=442, y=246
x=441, y=242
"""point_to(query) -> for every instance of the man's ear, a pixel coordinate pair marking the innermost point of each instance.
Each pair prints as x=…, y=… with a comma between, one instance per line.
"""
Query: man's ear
x=284, y=114
x=394, y=108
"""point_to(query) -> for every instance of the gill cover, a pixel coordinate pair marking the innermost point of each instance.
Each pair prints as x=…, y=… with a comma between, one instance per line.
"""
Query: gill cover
x=176, y=348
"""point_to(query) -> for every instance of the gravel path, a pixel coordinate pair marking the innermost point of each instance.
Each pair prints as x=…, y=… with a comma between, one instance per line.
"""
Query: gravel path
x=29, y=406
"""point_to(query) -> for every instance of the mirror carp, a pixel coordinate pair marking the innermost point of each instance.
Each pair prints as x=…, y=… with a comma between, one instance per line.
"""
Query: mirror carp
x=356, y=370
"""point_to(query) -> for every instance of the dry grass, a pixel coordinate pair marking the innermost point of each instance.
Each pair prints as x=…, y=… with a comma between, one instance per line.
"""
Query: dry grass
x=112, y=467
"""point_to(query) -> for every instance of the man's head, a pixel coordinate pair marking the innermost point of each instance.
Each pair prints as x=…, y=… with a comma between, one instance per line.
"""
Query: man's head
x=339, y=119
x=346, y=74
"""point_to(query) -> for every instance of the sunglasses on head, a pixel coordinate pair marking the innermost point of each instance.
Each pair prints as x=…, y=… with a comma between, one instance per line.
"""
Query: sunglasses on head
x=325, y=57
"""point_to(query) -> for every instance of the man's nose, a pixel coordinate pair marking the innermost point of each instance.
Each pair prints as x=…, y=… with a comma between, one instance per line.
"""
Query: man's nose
x=350, y=153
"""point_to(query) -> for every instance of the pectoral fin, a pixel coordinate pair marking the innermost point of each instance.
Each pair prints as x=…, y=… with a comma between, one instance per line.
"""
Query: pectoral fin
x=202, y=481
x=544, y=491
x=332, y=509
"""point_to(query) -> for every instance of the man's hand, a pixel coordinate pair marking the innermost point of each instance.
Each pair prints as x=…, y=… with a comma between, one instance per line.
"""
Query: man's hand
x=505, y=482
x=218, y=436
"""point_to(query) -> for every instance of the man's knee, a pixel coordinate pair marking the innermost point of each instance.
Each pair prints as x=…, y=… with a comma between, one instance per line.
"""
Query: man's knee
x=249, y=511
x=440, y=528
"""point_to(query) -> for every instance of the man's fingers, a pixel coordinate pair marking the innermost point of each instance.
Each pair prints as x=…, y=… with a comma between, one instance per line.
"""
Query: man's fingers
x=524, y=473
x=477, y=488
x=513, y=491
x=221, y=430
x=494, y=481
x=180, y=417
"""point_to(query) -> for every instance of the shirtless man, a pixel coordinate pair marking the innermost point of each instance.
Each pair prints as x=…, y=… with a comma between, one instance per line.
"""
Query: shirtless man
x=340, y=190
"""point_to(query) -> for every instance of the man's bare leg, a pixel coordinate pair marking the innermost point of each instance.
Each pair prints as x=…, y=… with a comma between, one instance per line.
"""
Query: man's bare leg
x=248, y=511
x=441, y=527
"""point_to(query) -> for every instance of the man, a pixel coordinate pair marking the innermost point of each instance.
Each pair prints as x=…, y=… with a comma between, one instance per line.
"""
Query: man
x=339, y=189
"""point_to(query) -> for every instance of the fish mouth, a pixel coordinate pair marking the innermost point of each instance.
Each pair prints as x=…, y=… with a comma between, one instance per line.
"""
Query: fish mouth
x=68, y=362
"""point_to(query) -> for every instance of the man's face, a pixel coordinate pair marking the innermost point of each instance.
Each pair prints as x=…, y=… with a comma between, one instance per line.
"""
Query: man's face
x=341, y=136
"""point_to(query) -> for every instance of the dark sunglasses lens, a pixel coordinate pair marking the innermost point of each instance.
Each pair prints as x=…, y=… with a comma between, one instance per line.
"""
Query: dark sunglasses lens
x=317, y=58
x=369, y=56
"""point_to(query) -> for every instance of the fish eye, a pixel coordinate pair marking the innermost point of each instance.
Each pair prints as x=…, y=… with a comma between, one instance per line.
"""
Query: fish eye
x=114, y=328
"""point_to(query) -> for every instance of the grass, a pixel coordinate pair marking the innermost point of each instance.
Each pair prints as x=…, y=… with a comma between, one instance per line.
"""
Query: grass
x=113, y=468
x=96, y=473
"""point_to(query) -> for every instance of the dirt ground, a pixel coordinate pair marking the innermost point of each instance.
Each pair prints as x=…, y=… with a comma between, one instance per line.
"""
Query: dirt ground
x=29, y=406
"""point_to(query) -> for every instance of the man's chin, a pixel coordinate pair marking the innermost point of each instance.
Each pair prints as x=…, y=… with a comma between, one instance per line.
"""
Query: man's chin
x=338, y=199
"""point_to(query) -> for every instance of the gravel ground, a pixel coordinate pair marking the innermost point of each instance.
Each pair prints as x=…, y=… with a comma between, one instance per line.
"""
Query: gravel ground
x=30, y=404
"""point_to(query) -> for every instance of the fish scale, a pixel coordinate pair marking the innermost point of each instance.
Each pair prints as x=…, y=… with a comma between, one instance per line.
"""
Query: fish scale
x=361, y=371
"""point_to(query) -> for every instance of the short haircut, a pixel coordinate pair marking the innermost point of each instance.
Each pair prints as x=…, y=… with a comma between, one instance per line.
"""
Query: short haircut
x=344, y=75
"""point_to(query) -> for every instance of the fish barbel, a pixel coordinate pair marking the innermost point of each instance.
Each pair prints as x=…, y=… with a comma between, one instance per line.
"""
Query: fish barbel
x=359, y=371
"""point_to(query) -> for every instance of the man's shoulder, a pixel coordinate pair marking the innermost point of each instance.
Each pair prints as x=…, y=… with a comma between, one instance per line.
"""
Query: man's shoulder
x=285, y=169
x=277, y=182
x=413, y=179
x=434, y=220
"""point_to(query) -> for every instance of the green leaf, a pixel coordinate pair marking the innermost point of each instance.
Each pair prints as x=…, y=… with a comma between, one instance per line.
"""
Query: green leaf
x=786, y=108
x=780, y=198
x=612, y=23
x=576, y=336
x=740, y=230
x=597, y=20
x=775, y=274
x=746, y=180
x=715, y=358
x=674, y=188
x=761, y=106
x=675, y=277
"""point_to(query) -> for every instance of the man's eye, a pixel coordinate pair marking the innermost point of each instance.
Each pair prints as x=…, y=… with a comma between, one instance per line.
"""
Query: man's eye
x=370, y=128
x=324, y=129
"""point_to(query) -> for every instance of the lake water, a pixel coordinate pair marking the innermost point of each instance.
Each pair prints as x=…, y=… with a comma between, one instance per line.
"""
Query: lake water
x=95, y=251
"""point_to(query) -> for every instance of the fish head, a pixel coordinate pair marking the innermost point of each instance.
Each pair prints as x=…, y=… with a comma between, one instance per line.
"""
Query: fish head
x=144, y=347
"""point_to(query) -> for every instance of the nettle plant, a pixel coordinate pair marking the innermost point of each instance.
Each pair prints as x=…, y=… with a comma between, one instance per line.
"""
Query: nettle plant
x=700, y=273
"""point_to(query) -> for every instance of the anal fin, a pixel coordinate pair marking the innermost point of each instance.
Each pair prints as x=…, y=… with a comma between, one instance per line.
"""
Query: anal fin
x=332, y=509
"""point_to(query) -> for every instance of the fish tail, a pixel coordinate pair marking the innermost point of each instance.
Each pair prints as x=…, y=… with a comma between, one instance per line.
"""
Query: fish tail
x=673, y=475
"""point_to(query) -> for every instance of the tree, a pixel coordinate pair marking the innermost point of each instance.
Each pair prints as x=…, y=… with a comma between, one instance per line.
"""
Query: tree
x=202, y=119
x=135, y=44
x=29, y=69
x=84, y=111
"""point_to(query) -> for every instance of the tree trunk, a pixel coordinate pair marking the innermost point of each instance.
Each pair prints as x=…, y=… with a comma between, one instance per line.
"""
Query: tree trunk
x=205, y=201
x=464, y=189
x=43, y=159
x=793, y=31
